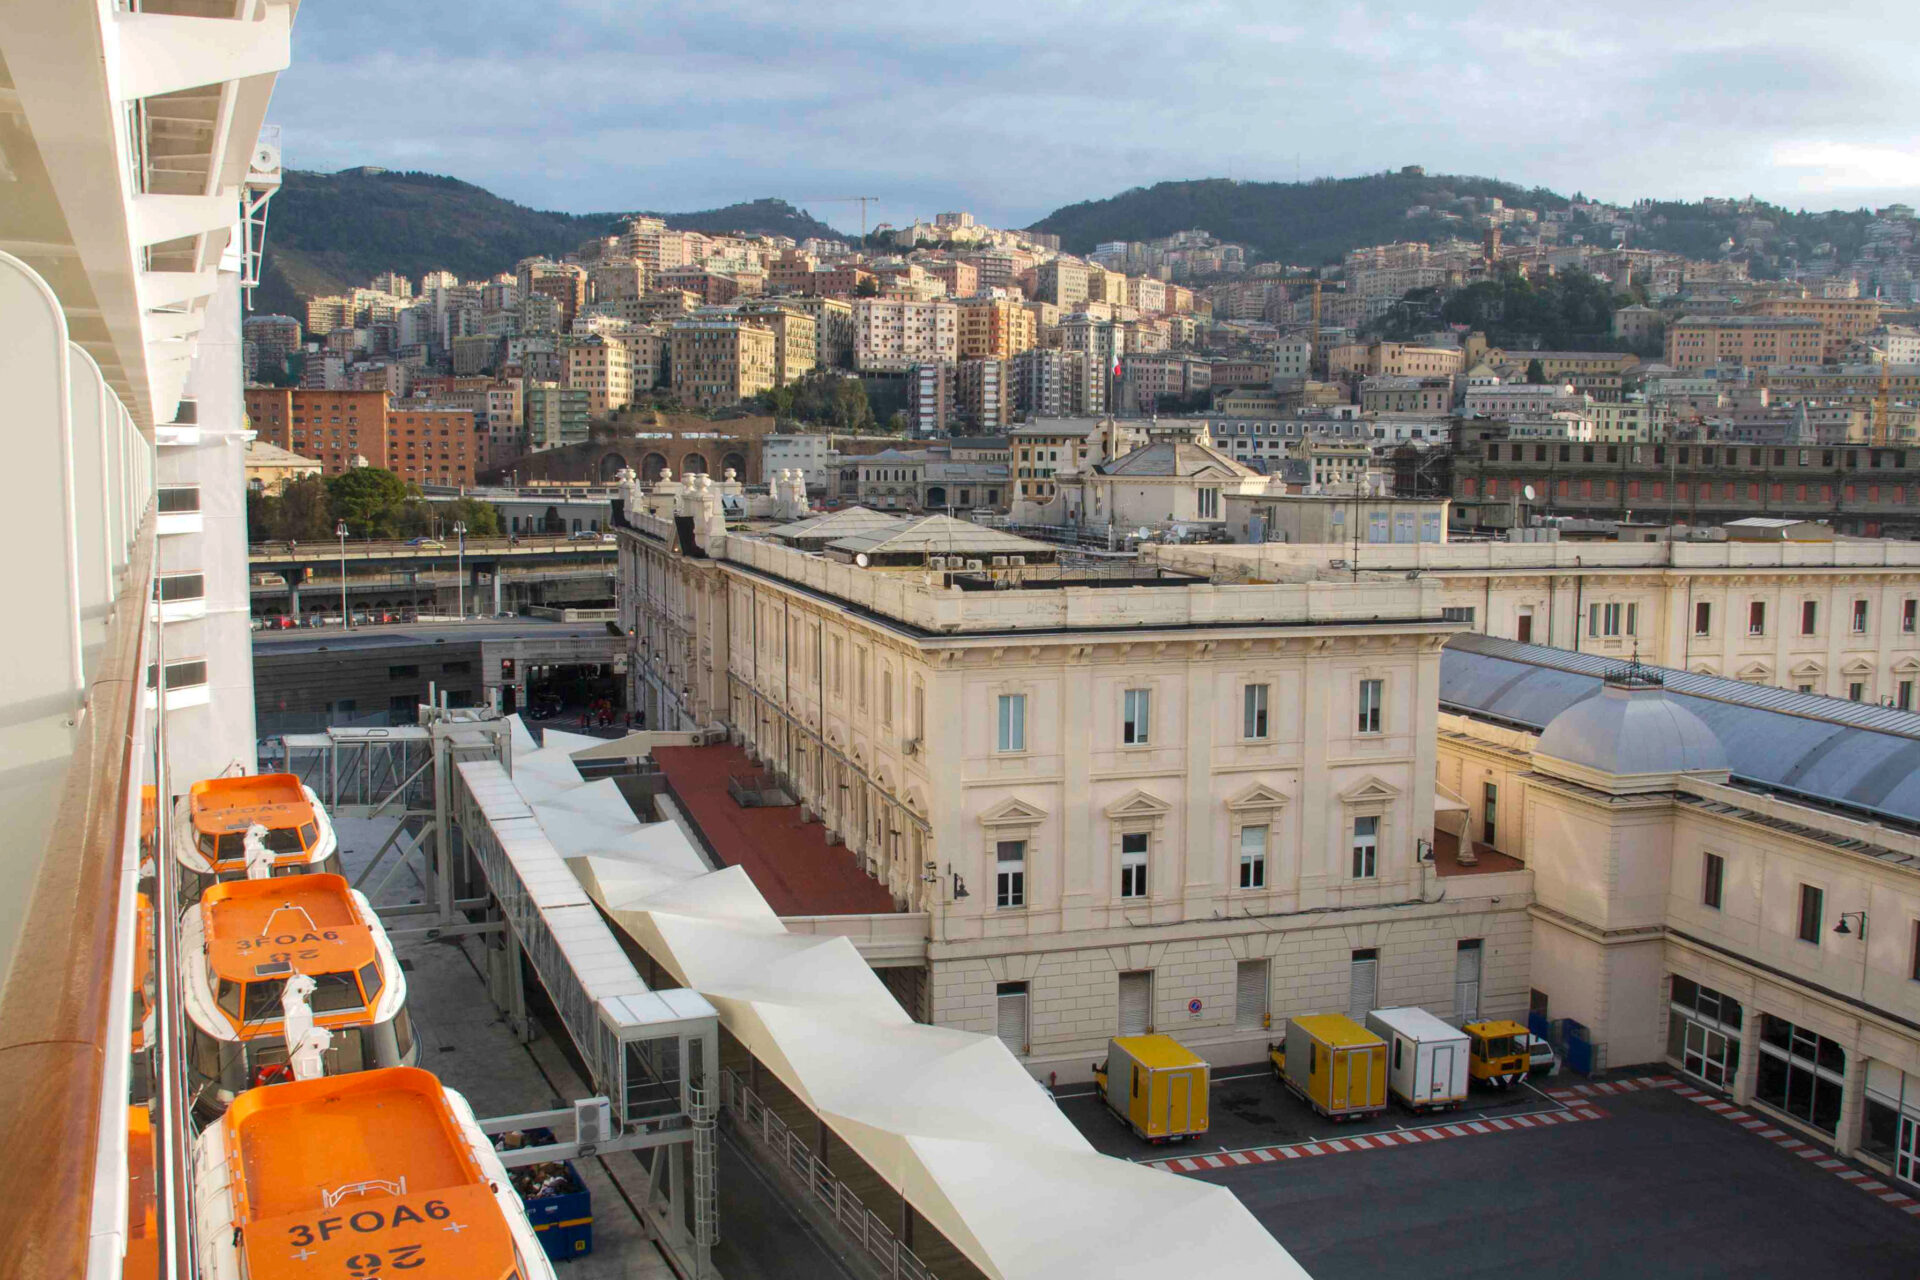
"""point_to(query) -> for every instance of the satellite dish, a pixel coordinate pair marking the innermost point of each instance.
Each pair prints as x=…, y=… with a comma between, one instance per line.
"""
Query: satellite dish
x=1527, y=493
x=861, y=559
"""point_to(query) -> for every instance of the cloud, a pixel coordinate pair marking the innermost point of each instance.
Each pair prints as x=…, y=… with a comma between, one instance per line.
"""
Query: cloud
x=1012, y=109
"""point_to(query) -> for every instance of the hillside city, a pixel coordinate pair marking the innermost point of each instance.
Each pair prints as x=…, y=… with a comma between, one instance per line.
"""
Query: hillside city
x=1547, y=325
x=1361, y=728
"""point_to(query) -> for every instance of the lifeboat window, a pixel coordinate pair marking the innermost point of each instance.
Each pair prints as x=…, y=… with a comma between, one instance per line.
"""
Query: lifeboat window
x=263, y=1000
x=206, y=842
x=229, y=998
x=370, y=983
x=283, y=840
x=335, y=993
x=233, y=845
x=308, y=834
x=403, y=1032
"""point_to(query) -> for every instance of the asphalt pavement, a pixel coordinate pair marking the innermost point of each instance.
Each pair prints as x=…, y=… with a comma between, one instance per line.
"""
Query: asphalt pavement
x=1657, y=1187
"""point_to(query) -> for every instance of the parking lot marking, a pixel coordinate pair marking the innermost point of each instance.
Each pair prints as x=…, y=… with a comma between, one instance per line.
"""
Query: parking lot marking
x=1373, y=1141
x=1821, y=1158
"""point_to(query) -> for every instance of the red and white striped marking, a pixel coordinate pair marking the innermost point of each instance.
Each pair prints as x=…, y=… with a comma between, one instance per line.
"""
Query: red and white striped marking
x=1375, y=1141
x=1821, y=1157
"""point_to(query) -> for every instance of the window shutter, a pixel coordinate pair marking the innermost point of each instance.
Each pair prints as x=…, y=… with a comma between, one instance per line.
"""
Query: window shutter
x=1361, y=995
x=1250, y=994
x=1466, y=984
x=1013, y=1020
x=1136, y=1003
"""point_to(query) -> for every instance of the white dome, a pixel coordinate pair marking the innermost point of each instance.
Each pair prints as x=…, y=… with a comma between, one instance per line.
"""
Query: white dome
x=1630, y=732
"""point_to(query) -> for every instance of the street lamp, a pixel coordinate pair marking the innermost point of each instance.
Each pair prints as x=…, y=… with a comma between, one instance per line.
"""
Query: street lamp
x=1845, y=932
x=460, y=561
x=346, y=619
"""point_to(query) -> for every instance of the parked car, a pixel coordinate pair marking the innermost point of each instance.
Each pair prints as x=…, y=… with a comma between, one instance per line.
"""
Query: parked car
x=1541, y=1059
x=434, y=543
x=584, y=535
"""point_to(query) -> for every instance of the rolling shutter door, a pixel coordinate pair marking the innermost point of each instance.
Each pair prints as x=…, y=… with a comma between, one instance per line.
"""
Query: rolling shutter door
x=1361, y=996
x=1250, y=994
x=1136, y=1003
x=1013, y=1017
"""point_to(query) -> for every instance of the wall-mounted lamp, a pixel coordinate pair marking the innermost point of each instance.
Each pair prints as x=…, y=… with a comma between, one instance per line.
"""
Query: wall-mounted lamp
x=1845, y=932
x=959, y=883
x=1422, y=849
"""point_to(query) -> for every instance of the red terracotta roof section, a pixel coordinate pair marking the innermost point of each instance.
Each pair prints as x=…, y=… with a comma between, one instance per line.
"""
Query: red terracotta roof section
x=1446, y=857
x=789, y=861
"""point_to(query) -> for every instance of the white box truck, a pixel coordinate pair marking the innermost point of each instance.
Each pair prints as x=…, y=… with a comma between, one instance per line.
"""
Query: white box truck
x=1426, y=1058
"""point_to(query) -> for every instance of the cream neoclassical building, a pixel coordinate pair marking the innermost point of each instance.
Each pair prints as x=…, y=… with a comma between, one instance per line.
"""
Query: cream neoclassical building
x=1111, y=803
x=1840, y=618
x=1727, y=878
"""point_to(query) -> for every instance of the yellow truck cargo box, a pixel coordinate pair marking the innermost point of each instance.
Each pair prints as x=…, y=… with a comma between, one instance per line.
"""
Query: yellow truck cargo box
x=1337, y=1065
x=1158, y=1086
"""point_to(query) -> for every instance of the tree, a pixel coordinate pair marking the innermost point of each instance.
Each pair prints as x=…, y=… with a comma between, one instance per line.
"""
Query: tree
x=1536, y=373
x=867, y=288
x=370, y=499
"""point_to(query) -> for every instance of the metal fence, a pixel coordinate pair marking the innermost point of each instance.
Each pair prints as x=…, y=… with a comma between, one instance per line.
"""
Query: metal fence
x=754, y=1118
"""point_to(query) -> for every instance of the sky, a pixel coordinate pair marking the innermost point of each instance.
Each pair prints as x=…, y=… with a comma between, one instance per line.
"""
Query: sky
x=1012, y=109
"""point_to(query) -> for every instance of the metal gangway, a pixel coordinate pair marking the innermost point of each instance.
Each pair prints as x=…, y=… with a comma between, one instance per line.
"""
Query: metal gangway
x=485, y=866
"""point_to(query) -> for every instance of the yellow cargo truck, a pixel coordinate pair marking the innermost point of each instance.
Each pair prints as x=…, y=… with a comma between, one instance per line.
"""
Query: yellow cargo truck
x=1337, y=1065
x=1157, y=1085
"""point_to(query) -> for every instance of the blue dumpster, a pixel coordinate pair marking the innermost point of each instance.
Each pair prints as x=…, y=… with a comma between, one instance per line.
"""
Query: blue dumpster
x=563, y=1218
x=558, y=1202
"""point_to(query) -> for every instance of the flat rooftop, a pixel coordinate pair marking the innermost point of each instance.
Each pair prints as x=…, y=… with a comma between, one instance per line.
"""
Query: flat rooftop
x=788, y=860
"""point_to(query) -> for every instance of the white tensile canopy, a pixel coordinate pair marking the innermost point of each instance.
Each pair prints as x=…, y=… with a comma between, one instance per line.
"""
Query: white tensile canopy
x=950, y=1119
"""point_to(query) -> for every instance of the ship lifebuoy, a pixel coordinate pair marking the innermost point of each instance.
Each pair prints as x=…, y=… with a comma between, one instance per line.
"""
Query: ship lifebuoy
x=272, y=1073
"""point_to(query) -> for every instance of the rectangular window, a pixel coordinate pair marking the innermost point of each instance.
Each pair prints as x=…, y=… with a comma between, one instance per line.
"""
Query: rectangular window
x=886, y=697
x=1366, y=847
x=1250, y=995
x=1372, y=694
x=177, y=498
x=1909, y=615
x=1702, y=618
x=1856, y=692
x=1913, y=959
x=1489, y=812
x=1757, y=618
x=1904, y=698
x=1800, y=1073
x=1010, y=873
x=1363, y=985
x=1253, y=719
x=1809, y=617
x=1133, y=864
x=1012, y=734
x=182, y=586
x=1457, y=613
x=1253, y=857
x=1136, y=717
x=1812, y=903
x=1713, y=876
x=1859, y=617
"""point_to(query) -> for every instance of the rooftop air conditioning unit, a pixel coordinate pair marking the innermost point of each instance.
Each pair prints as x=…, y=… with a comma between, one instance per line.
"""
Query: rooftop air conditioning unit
x=936, y=562
x=975, y=564
x=1018, y=562
x=999, y=562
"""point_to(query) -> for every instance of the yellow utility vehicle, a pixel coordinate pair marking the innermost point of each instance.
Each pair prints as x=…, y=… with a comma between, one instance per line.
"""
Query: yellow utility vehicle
x=1157, y=1085
x=1336, y=1064
x=1497, y=1053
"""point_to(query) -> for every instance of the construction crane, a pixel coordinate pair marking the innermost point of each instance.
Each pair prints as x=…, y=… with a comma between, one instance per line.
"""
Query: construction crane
x=862, y=201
